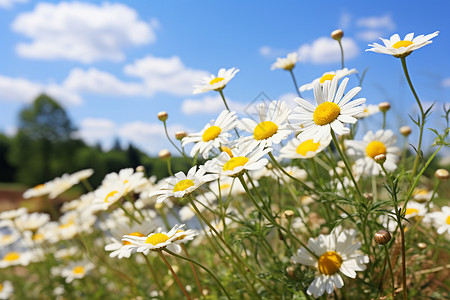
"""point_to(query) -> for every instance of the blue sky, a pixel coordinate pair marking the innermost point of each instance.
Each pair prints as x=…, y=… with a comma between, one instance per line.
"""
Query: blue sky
x=115, y=65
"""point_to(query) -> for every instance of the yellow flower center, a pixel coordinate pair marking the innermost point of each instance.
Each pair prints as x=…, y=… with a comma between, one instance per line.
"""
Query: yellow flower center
x=183, y=185
x=39, y=186
x=38, y=237
x=326, y=113
x=235, y=162
x=110, y=194
x=225, y=186
x=211, y=133
x=375, y=148
x=133, y=234
x=400, y=44
x=329, y=263
x=227, y=150
x=11, y=256
x=1, y=287
x=326, y=77
x=420, y=192
x=6, y=238
x=157, y=238
x=78, y=270
x=307, y=146
x=216, y=80
x=448, y=220
x=265, y=130
x=68, y=224
x=410, y=211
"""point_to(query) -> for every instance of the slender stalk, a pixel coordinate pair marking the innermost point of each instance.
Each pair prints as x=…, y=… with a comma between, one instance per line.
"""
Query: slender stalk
x=342, y=53
x=169, y=167
x=295, y=84
x=173, y=144
x=226, y=105
x=130, y=216
x=390, y=269
x=421, y=121
x=201, y=266
x=174, y=275
x=384, y=120
x=193, y=270
x=277, y=164
x=87, y=185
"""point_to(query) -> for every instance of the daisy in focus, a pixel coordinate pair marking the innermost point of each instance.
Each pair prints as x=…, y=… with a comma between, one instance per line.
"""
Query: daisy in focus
x=273, y=125
x=182, y=185
x=401, y=48
x=373, y=144
x=212, y=135
x=327, y=76
x=336, y=254
x=297, y=148
x=216, y=83
x=333, y=109
x=287, y=63
x=244, y=157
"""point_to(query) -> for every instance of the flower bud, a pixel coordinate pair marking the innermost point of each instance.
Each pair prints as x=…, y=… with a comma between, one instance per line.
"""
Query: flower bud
x=164, y=154
x=382, y=237
x=442, y=174
x=291, y=271
x=337, y=34
x=140, y=168
x=179, y=135
x=162, y=116
x=422, y=245
x=405, y=130
x=384, y=106
x=289, y=213
x=380, y=159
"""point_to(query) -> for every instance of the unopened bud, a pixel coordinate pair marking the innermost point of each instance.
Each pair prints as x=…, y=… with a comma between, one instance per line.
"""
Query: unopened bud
x=382, y=237
x=380, y=159
x=405, y=130
x=289, y=213
x=162, y=116
x=442, y=174
x=384, y=106
x=179, y=135
x=337, y=34
x=140, y=168
x=291, y=271
x=422, y=245
x=164, y=154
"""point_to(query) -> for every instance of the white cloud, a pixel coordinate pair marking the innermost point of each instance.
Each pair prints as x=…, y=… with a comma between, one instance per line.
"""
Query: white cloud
x=94, y=130
x=325, y=50
x=369, y=35
x=446, y=82
x=81, y=31
x=168, y=75
x=10, y=3
x=270, y=52
x=344, y=21
x=100, y=82
x=209, y=105
x=25, y=91
x=385, y=22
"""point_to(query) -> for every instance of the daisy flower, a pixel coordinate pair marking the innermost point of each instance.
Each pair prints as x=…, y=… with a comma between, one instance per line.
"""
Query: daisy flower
x=333, y=109
x=31, y=221
x=76, y=270
x=327, y=76
x=402, y=48
x=441, y=220
x=9, y=238
x=216, y=83
x=182, y=185
x=13, y=213
x=414, y=209
x=369, y=110
x=117, y=246
x=273, y=125
x=14, y=258
x=297, y=148
x=423, y=195
x=212, y=135
x=38, y=191
x=6, y=289
x=373, y=144
x=336, y=254
x=155, y=241
x=244, y=157
x=287, y=63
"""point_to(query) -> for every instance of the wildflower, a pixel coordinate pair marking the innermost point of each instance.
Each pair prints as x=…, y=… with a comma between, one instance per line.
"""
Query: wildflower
x=38, y=191
x=336, y=254
x=442, y=174
x=212, y=135
x=287, y=63
x=402, y=48
x=13, y=213
x=164, y=154
x=373, y=144
x=215, y=83
x=328, y=76
x=163, y=116
x=368, y=111
x=6, y=290
x=8, y=238
x=384, y=106
x=422, y=195
x=31, y=221
x=297, y=148
x=441, y=220
x=75, y=270
x=182, y=185
x=15, y=258
x=273, y=125
x=333, y=109
x=414, y=209
x=405, y=131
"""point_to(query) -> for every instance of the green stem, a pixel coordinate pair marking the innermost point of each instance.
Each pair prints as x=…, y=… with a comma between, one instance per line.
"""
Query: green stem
x=390, y=269
x=173, y=144
x=342, y=53
x=287, y=174
x=201, y=266
x=384, y=120
x=174, y=275
x=226, y=105
x=295, y=84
